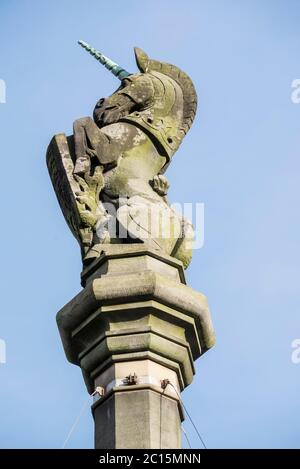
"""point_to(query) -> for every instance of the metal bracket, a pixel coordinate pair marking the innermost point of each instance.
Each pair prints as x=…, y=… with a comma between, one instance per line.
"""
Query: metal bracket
x=164, y=383
x=131, y=380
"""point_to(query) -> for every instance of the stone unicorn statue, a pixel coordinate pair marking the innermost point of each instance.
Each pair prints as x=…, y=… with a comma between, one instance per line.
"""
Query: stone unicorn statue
x=108, y=177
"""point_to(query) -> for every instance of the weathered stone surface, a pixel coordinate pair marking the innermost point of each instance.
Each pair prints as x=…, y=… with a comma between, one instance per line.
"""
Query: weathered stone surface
x=130, y=343
x=146, y=371
x=136, y=327
x=135, y=287
x=153, y=420
x=108, y=175
x=132, y=310
x=78, y=197
x=122, y=259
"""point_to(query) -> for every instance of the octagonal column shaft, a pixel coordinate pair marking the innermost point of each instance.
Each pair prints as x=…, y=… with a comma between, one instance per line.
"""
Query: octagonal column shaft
x=135, y=411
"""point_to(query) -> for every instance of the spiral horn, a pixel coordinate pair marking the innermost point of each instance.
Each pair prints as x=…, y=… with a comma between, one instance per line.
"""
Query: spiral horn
x=114, y=68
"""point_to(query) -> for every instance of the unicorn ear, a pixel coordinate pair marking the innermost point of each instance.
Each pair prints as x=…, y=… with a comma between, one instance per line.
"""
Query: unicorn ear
x=142, y=59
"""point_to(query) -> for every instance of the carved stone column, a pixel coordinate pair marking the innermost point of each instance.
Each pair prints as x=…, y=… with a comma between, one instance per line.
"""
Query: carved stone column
x=136, y=328
x=135, y=325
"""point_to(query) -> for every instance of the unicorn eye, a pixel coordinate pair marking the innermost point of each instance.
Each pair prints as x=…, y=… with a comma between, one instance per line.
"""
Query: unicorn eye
x=100, y=102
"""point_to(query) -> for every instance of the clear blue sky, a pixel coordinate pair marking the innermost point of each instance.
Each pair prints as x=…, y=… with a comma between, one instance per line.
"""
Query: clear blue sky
x=241, y=158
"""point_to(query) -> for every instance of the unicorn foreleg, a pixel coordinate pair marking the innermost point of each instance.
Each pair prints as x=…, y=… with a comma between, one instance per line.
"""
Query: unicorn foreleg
x=90, y=141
